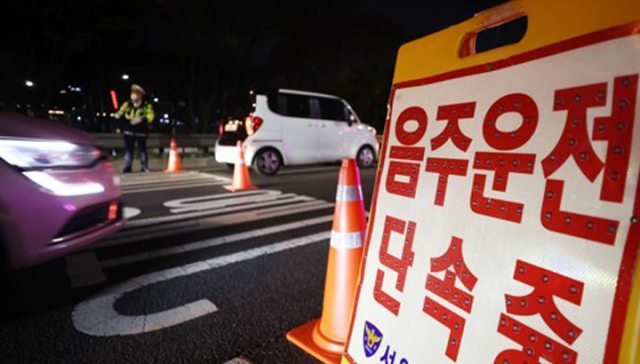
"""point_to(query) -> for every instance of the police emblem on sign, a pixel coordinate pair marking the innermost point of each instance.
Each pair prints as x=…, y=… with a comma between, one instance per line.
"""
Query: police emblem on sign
x=372, y=339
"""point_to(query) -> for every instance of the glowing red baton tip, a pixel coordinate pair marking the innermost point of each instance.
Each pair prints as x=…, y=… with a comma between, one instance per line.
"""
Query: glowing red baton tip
x=114, y=99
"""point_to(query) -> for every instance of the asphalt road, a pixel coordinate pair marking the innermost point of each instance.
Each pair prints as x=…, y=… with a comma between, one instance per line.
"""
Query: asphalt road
x=199, y=275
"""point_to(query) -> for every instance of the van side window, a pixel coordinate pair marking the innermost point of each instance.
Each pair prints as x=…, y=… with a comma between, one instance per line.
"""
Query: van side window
x=332, y=109
x=296, y=106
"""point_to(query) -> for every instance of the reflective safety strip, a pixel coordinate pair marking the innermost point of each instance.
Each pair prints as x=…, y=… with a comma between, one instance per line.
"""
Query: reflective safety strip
x=347, y=240
x=349, y=193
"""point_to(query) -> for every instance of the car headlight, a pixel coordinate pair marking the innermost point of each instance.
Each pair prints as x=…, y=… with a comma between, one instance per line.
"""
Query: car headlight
x=40, y=154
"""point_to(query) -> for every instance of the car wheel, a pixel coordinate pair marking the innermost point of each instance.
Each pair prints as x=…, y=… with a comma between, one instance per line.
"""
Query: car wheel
x=267, y=162
x=366, y=157
x=230, y=165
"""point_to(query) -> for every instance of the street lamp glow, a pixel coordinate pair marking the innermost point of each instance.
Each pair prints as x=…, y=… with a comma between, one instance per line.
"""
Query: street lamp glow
x=155, y=99
x=125, y=77
x=28, y=83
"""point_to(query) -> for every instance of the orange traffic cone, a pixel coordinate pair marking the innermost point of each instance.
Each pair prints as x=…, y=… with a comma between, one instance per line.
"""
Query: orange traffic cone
x=325, y=338
x=175, y=164
x=241, y=180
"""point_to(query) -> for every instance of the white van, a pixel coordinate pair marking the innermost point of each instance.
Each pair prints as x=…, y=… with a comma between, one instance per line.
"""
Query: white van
x=288, y=127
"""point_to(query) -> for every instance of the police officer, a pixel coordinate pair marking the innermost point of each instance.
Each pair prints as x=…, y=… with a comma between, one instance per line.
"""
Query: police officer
x=138, y=114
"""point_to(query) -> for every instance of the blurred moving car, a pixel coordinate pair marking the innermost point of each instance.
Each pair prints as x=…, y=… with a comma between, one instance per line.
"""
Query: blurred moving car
x=57, y=191
x=288, y=127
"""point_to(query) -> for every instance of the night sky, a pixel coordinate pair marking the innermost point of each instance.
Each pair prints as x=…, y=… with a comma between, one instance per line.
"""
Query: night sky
x=189, y=53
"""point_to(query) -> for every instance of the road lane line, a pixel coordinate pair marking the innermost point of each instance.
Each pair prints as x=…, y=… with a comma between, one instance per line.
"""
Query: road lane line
x=190, y=178
x=209, y=243
x=156, y=175
x=173, y=187
x=97, y=316
x=181, y=227
x=172, y=183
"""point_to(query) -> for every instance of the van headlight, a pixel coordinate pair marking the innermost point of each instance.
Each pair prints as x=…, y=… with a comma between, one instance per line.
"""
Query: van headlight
x=42, y=154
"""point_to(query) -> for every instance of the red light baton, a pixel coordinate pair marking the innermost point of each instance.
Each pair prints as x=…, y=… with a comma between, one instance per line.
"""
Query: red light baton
x=114, y=100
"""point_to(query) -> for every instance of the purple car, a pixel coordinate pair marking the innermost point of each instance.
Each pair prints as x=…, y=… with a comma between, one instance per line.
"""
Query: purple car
x=57, y=191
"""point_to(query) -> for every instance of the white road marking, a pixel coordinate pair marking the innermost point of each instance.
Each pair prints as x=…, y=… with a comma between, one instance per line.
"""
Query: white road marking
x=239, y=361
x=179, y=249
x=169, y=178
x=222, y=200
x=181, y=227
x=96, y=316
x=130, y=179
x=84, y=270
x=174, y=187
x=130, y=212
x=191, y=178
x=278, y=199
x=162, y=182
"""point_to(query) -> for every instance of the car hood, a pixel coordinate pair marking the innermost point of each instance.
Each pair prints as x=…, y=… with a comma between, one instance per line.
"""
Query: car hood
x=20, y=126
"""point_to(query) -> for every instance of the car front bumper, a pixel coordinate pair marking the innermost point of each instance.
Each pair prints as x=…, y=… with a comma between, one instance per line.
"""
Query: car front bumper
x=39, y=224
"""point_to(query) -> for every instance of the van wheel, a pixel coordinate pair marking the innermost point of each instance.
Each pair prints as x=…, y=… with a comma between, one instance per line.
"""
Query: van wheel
x=267, y=162
x=366, y=157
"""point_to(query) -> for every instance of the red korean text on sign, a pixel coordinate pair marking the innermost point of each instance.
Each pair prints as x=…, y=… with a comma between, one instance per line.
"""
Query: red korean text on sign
x=574, y=142
x=546, y=286
x=446, y=289
x=446, y=167
x=399, y=265
x=411, y=156
x=503, y=163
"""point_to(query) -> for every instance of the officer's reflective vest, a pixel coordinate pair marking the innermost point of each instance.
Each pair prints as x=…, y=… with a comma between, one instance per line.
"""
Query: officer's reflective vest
x=144, y=111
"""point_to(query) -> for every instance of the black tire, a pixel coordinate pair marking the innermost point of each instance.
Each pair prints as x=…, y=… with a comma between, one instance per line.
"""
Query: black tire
x=366, y=157
x=267, y=162
x=230, y=165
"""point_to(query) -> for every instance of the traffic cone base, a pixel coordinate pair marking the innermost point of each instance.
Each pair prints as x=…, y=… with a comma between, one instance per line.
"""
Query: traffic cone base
x=306, y=337
x=233, y=189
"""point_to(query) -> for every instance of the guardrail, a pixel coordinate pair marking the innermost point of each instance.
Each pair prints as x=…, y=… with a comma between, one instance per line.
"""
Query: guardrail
x=160, y=142
x=186, y=142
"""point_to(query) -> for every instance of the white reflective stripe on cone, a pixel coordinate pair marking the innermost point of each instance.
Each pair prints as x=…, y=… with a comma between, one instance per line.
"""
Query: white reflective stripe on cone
x=347, y=240
x=349, y=193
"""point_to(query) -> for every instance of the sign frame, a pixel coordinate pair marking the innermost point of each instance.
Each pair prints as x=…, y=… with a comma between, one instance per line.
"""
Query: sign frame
x=625, y=319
